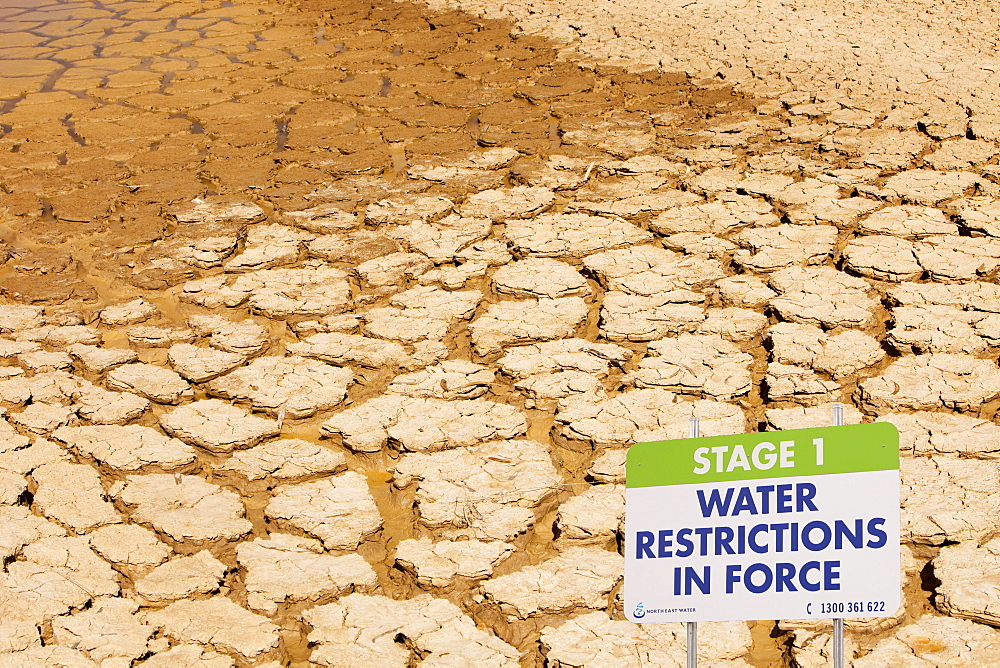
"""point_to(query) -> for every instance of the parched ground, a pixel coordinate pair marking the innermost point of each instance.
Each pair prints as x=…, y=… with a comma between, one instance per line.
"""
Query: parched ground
x=874, y=55
x=325, y=327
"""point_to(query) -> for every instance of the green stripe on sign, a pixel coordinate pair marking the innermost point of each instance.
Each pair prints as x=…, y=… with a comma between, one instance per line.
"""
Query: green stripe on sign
x=774, y=454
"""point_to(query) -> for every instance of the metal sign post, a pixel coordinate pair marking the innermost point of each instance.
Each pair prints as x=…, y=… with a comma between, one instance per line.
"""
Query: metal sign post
x=692, y=627
x=838, y=623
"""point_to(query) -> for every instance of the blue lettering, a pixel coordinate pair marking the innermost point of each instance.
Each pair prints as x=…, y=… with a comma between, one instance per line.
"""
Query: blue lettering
x=779, y=535
x=643, y=545
x=687, y=546
x=702, y=583
x=703, y=533
x=665, y=542
x=748, y=578
x=830, y=576
x=744, y=502
x=723, y=540
x=765, y=497
x=821, y=544
x=805, y=492
x=879, y=536
x=715, y=502
x=752, y=539
x=842, y=531
x=784, y=498
x=732, y=576
x=804, y=581
x=783, y=577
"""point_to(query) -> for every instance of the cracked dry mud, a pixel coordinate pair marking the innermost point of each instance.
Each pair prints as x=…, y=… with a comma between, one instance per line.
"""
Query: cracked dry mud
x=325, y=327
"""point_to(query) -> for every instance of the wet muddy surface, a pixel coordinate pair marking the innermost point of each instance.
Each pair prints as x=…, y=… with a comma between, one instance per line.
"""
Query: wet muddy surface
x=325, y=329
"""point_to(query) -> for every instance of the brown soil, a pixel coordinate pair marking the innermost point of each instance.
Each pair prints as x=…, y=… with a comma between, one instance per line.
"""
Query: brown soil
x=112, y=115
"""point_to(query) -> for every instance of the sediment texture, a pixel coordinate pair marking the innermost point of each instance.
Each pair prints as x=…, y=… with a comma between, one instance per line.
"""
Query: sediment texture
x=325, y=327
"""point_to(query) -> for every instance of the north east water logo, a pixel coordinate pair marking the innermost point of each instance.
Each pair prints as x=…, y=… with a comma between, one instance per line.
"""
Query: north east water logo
x=639, y=612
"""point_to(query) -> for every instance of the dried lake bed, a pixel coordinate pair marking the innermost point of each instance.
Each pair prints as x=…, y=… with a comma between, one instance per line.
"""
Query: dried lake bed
x=325, y=328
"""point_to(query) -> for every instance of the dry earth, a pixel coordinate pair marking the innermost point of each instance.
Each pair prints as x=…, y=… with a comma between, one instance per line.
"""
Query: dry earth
x=325, y=327
x=913, y=57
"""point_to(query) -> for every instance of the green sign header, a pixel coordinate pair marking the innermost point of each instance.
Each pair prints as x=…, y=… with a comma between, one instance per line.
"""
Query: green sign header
x=774, y=454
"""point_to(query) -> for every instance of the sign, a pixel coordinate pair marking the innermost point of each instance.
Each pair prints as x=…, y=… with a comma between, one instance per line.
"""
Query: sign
x=777, y=525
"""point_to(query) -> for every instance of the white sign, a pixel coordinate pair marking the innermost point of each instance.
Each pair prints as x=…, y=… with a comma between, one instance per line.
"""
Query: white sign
x=776, y=525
